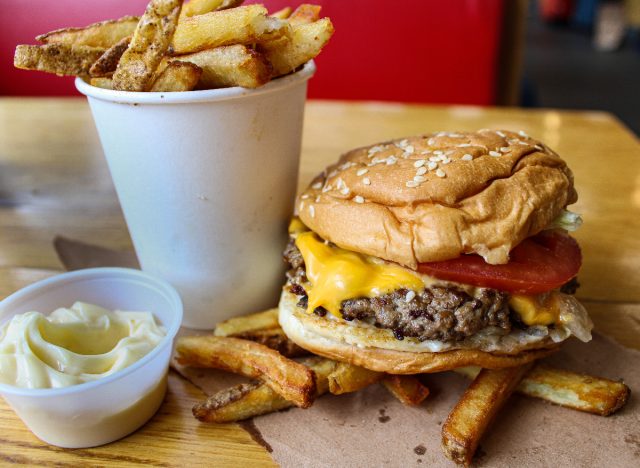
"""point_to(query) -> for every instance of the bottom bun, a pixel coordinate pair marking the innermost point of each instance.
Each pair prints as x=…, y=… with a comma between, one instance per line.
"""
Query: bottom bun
x=295, y=323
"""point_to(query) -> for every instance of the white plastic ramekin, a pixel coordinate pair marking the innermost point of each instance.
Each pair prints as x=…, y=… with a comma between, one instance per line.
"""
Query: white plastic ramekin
x=98, y=412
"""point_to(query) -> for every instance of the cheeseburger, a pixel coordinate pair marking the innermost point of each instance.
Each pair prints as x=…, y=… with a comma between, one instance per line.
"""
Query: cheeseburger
x=435, y=252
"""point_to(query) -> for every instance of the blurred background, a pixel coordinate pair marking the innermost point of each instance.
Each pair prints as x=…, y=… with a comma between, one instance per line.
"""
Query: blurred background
x=570, y=54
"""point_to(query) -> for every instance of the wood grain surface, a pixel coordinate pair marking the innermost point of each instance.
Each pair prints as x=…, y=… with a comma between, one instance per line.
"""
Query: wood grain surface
x=54, y=181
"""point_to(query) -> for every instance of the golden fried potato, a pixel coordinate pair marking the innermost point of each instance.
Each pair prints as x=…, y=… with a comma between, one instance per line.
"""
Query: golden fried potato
x=245, y=25
x=246, y=323
x=304, y=14
x=347, y=378
x=228, y=66
x=465, y=426
x=581, y=392
x=177, y=76
x=305, y=42
x=282, y=14
x=292, y=380
x=200, y=7
x=137, y=66
x=245, y=401
x=61, y=59
x=103, y=34
x=406, y=388
x=102, y=82
x=108, y=62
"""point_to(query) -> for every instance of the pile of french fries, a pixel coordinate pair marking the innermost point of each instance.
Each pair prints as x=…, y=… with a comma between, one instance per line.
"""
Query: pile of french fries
x=203, y=44
x=255, y=346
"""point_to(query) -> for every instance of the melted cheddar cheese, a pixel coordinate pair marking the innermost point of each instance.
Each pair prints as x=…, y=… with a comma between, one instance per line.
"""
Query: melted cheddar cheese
x=337, y=274
x=543, y=309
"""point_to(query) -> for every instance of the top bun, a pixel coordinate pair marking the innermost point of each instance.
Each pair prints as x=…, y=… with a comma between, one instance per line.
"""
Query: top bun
x=435, y=197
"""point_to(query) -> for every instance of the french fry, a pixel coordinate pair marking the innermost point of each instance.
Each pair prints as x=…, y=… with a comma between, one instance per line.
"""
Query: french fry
x=292, y=380
x=177, y=76
x=61, y=59
x=137, y=66
x=200, y=7
x=248, y=400
x=406, y=388
x=347, y=378
x=274, y=338
x=234, y=65
x=244, y=25
x=304, y=14
x=102, y=82
x=282, y=14
x=581, y=392
x=465, y=426
x=108, y=62
x=247, y=323
x=305, y=42
x=103, y=34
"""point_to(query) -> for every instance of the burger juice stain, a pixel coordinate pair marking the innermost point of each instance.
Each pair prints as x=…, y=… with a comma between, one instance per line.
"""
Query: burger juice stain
x=420, y=449
x=383, y=418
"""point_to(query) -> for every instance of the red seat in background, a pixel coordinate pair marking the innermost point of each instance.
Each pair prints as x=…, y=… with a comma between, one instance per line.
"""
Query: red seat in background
x=424, y=51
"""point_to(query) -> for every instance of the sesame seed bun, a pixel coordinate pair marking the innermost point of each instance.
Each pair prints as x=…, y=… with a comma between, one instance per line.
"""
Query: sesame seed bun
x=435, y=197
x=378, y=350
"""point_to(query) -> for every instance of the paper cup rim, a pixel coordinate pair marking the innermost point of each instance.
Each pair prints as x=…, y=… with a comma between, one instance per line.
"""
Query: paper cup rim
x=207, y=95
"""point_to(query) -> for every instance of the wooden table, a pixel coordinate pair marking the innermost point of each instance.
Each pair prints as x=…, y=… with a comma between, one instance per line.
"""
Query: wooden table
x=54, y=180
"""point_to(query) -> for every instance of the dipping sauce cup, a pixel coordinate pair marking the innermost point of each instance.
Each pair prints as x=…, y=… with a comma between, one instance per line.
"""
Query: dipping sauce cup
x=98, y=412
x=206, y=181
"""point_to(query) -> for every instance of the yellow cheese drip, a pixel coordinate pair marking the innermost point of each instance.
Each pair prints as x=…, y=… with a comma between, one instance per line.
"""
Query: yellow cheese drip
x=337, y=274
x=543, y=309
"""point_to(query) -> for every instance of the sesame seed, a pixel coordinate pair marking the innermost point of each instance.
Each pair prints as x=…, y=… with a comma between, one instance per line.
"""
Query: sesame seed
x=523, y=143
x=522, y=134
x=467, y=157
x=419, y=178
x=434, y=158
x=446, y=161
x=366, y=181
x=421, y=170
x=301, y=205
x=340, y=183
x=425, y=152
x=419, y=163
x=455, y=135
x=305, y=196
x=373, y=150
x=464, y=145
x=438, y=152
x=450, y=152
x=411, y=184
x=317, y=186
x=403, y=143
x=538, y=147
x=391, y=160
x=409, y=149
x=358, y=199
x=430, y=141
x=345, y=191
x=326, y=188
x=432, y=165
x=495, y=154
x=333, y=173
x=409, y=297
x=505, y=149
x=499, y=133
x=440, y=173
x=312, y=211
x=362, y=172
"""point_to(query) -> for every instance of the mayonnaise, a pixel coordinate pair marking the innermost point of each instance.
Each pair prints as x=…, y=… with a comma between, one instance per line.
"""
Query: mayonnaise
x=73, y=346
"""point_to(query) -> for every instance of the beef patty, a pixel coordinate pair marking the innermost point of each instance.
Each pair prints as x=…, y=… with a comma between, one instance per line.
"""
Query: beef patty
x=439, y=312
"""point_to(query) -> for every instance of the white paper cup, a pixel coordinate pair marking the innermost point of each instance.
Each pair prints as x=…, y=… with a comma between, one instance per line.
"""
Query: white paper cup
x=206, y=181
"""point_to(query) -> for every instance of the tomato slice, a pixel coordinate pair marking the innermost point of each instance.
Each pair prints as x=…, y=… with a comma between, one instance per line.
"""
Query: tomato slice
x=538, y=264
